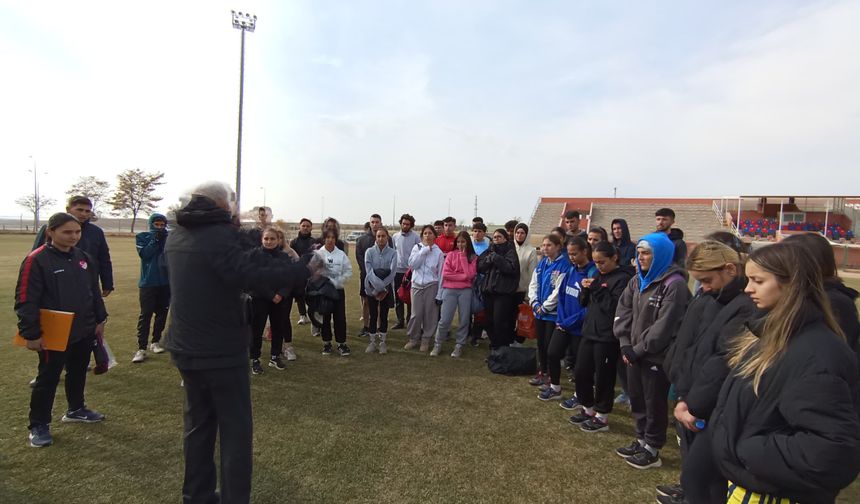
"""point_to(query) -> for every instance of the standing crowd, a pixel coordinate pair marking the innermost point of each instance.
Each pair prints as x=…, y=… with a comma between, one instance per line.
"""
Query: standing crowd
x=760, y=358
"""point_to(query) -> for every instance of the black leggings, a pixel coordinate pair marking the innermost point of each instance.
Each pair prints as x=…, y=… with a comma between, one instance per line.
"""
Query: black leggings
x=379, y=313
x=544, y=329
x=559, y=346
x=596, y=366
x=279, y=317
x=500, y=318
x=339, y=316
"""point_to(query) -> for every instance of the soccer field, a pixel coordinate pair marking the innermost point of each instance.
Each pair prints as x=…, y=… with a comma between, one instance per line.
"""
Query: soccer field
x=402, y=427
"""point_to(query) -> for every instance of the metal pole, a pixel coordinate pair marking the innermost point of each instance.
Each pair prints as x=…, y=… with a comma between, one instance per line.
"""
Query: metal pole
x=239, y=143
x=738, y=223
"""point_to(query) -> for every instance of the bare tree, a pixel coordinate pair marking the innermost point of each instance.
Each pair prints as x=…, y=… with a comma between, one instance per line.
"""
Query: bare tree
x=135, y=192
x=34, y=207
x=95, y=189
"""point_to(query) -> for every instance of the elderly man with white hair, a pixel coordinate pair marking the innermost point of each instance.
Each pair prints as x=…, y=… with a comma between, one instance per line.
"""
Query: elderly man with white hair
x=210, y=329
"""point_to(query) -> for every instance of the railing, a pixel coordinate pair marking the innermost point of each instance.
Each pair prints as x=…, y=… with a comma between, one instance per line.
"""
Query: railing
x=534, y=211
x=718, y=213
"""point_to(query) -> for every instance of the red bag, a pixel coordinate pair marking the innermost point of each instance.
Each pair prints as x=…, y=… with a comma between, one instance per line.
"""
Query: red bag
x=526, y=322
x=404, y=292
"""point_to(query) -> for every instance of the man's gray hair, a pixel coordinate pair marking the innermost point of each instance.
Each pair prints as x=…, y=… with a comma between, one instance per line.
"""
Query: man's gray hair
x=219, y=192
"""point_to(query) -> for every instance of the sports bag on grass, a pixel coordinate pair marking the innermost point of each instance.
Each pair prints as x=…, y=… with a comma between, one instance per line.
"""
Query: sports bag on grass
x=526, y=322
x=513, y=361
x=404, y=291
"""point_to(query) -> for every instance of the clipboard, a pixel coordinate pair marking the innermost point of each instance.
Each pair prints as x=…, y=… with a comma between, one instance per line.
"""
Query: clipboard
x=56, y=327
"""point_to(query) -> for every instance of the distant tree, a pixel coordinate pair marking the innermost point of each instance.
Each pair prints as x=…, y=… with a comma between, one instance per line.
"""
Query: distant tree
x=95, y=189
x=135, y=192
x=29, y=202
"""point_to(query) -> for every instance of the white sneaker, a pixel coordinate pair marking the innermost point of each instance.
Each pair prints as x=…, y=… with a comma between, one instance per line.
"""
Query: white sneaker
x=458, y=351
x=516, y=344
x=139, y=356
x=156, y=347
x=290, y=353
x=484, y=335
x=436, y=350
x=303, y=320
x=383, y=348
x=371, y=347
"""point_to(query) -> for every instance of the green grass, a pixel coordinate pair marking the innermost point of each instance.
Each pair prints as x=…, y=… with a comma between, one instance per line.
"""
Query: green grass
x=396, y=428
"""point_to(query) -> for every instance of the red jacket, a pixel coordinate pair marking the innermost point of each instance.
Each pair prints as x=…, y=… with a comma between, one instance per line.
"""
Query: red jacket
x=446, y=243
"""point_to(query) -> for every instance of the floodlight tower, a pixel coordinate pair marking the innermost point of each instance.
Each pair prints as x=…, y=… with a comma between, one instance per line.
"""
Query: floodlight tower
x=244, y=22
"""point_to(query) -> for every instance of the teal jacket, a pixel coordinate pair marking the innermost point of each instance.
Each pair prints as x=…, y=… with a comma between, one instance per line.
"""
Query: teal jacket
x=150, y=248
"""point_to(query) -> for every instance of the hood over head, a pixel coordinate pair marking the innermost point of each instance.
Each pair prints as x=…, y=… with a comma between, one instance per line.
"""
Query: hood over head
x=663, y=251
x=156, y=217
x=201, y=211
x=625, y=232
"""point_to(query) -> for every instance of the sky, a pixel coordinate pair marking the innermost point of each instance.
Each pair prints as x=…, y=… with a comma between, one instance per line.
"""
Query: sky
x=357, y=107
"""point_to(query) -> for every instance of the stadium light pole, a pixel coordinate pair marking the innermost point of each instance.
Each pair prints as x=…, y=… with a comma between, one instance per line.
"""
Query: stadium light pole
x=243, y=22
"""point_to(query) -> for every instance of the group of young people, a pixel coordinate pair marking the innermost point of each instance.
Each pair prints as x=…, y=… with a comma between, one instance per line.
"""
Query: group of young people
x=760, y=357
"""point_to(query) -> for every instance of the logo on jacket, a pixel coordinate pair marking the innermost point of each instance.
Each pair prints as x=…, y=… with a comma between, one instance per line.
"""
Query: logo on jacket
x=83, y=264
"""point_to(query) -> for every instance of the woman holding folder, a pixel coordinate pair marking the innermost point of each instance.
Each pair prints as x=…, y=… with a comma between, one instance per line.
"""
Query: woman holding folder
x=55, y=278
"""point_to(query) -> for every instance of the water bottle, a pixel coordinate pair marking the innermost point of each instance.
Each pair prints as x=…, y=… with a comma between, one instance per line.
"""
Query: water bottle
x=700, y=424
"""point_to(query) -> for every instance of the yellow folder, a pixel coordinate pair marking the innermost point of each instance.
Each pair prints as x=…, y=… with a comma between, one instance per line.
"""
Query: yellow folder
x=56, y=327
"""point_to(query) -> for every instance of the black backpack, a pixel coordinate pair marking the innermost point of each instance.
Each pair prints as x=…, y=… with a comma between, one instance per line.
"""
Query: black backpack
x=513, y=361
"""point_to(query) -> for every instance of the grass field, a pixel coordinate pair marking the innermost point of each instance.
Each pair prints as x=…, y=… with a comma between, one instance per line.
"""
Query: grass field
x=403, y=427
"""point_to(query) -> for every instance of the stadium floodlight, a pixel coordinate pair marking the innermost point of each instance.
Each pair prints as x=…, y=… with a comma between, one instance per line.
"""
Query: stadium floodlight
x=245, y=23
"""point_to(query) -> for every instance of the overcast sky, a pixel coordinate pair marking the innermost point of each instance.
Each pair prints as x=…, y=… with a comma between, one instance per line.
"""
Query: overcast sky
x=351, y=104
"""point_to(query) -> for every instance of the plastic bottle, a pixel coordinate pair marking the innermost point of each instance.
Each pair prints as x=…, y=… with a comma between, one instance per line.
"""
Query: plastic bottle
x=700, y=424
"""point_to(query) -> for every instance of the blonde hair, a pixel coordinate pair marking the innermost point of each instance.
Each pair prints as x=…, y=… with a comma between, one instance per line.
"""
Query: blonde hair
x=712, y=255
x=802, y=289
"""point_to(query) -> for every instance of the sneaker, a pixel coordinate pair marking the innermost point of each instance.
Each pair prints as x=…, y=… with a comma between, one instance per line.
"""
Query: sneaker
x=399, y=325
x=83, y=415
x=371, y=347
x=290, y=353
x=326, y=349
x=315, y=332
x=277, y=363
x=410, y=345
x=516, y=344
x=665, y=499
x=343, y=350
x=550, y=395
x=32, y=383
x=628, y=451
x=458, y=351
x=256, y=367
x=537, y=379
x=571, y=404
x=474, y=342
x=139, y=356
x=364, y=332
x=383, y=348
x=424, y=347
x=594, y=424
x=303, y=320
x=580, y=418
x=644, y=460
x=622, y=399
x=156, y=347
x=484, y=335
x=436, y=350
x=40, y=436
x=674, y=491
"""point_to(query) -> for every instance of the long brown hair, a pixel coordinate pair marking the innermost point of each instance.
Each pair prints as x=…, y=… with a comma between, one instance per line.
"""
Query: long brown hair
x=802, y=290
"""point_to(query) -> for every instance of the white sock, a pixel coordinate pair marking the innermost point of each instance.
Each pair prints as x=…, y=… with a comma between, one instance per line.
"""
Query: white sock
x=652, y=451
x=601, y=416
x=588, y=411
x=556, y=388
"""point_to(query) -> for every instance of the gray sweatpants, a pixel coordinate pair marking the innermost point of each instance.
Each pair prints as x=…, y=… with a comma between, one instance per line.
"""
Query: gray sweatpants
x=425, y=313
x=461, y=301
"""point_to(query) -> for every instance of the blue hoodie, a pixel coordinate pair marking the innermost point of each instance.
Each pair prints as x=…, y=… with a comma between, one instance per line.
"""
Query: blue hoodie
x=571, y=314
x=150, y=248
x=545, y=282
x=663, y=250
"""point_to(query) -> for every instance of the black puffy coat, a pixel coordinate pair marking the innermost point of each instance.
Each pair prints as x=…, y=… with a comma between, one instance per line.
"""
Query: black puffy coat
x=500, y=265
x=800, y=437
x=843, y=300
x=601, y=298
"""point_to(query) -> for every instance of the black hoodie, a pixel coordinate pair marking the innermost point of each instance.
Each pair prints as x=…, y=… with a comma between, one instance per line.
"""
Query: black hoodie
x=626, y=248
x=843, y=300
x=209, y=317
x=800, y=437
x=677, y=237
x=601, y=298
x=501, y=267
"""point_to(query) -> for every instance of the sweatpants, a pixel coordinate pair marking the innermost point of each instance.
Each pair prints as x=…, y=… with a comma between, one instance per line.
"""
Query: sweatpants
x=461, y=301
x=217, y=404
x=75, y=360
x=559, y=343
x=648, y=389
x=279, y=317
x=501, y=318
x=378, y=313
x=595, y=374
x=544, y=329
x=425, y=313
x=153, y=301
x=399, y=305
x=339, y=318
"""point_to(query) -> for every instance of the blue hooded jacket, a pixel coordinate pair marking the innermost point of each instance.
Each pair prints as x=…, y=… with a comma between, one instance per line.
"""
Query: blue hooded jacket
x=571, y=314
x=545, y=279
x=663, y=250
x=150, y=248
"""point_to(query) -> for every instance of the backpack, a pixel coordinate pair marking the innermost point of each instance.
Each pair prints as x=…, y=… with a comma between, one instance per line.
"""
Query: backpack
x=512, y=361
x=404, y=291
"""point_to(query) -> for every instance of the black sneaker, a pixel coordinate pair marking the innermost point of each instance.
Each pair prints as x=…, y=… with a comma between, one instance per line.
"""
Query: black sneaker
x=665, y=499
x=83, y=415
x=474, y=342
x=40, y=436
x=399, y=325
x=628, y=451
x=364, y=332
x=594, y=424
x=326, y=349
x=256, y=367
x=343, y=350
x=277, y=363
x=580, y=418
x=674, y=491
x=644, y=460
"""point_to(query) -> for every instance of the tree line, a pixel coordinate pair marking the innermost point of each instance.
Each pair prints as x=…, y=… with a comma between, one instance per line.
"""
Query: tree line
x=135, y=192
